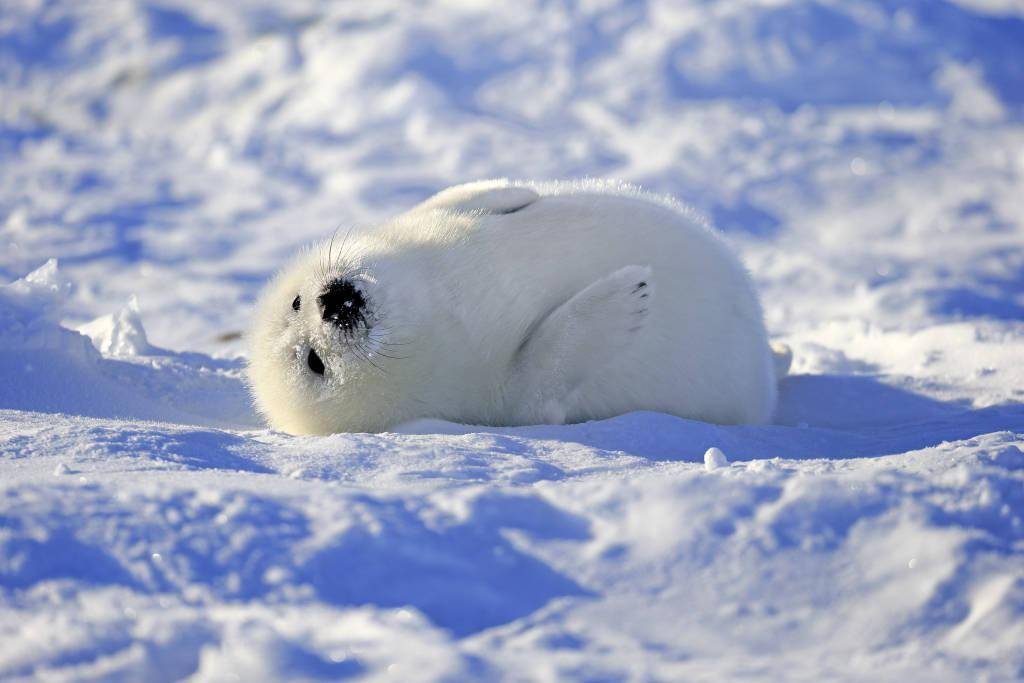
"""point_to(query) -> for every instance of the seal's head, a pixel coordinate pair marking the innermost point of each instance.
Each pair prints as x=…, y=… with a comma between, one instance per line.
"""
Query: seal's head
x=322, y=351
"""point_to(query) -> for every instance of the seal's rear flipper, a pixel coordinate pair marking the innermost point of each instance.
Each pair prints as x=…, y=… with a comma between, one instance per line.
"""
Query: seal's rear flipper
x=782, y=359
x=486, y=196
x=580, y=336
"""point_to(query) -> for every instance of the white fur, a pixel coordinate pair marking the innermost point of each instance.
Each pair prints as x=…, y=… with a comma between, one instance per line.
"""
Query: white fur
x=504, y=303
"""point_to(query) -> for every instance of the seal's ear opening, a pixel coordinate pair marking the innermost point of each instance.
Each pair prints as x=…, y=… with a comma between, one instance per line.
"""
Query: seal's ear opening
x=488, y=196
x=509, y=204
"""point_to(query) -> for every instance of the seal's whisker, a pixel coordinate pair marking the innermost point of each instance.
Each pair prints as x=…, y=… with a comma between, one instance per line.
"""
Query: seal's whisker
x=383, y=340
x=351, y=271
x=393, y=350
x=316, y=264
x=400, y=326
x=381, y=353
x=325, y=258
x=335, y=263
x=386, y=341
x=344, y=243
x=359, y=351
x=330, y=248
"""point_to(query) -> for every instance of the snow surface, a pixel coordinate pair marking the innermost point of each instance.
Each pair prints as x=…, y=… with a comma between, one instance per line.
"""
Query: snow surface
x=865, y=157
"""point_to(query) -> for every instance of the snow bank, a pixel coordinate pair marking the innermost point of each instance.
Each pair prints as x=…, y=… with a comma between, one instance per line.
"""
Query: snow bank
x=50, y=368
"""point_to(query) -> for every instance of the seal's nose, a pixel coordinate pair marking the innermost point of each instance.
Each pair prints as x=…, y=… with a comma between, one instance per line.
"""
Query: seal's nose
x=342, y=305
x=314, y=362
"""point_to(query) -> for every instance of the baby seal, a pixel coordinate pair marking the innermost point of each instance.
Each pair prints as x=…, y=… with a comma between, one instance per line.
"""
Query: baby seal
x=510, y=303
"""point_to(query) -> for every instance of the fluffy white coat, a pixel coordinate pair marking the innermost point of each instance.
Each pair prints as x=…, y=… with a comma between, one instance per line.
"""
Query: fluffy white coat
x=506, y=303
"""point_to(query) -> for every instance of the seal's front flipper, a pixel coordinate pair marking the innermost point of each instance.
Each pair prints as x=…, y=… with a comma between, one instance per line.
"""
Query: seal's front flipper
x=486, y=196
x=578, y=338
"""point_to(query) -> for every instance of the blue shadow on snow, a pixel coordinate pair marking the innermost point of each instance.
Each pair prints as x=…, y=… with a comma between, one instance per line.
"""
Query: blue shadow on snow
x=830, y=417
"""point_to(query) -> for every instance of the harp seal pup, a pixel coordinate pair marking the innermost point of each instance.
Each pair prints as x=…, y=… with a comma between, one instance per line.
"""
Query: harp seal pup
x=508, y=303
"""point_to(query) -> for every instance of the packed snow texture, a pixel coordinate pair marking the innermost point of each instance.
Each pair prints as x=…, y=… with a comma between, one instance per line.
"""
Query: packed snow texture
x=865, y=157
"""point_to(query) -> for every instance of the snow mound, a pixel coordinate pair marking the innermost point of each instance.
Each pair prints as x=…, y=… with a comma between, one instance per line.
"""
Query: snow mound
x=714, y=459
x=121, y=333
x=50, y=368
x=30, y=311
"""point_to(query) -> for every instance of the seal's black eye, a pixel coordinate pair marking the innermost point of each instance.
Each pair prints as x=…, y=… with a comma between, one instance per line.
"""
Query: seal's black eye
x=297, y=303
x=343, y=305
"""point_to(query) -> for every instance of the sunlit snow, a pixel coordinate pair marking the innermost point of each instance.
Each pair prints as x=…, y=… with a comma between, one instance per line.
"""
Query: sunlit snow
x=865, y=158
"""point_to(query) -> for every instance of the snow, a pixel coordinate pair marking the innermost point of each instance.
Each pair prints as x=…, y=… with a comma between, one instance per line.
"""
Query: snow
x=119, y=334
x=866, y=159
x=714, y=459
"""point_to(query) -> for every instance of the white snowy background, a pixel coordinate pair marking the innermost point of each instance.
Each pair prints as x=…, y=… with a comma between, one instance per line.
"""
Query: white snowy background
x=865, y=157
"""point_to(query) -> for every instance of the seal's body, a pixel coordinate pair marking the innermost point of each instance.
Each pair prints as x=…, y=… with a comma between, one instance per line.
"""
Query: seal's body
x=500, y=303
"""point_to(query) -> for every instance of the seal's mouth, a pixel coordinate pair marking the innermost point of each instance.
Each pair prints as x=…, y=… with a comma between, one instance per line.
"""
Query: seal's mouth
x=315, y=363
